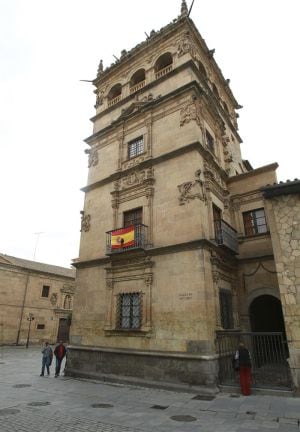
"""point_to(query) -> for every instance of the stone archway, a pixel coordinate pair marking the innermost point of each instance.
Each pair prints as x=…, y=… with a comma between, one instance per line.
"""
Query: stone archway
x=266, y=314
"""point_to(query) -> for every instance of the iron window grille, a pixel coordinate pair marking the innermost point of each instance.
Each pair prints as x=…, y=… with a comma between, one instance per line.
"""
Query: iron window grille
x=226, y=309
x=255, y=222
x=135, y=147
x=129, y=315
x=133, y=217
x=45, y=291
x=40, y=326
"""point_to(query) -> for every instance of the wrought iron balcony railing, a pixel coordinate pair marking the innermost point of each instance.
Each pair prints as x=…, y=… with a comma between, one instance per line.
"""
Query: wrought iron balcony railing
x=226, y=235
x=128, y=238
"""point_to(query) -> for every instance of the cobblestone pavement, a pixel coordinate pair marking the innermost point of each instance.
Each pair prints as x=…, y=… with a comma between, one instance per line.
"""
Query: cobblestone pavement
x=30, y=403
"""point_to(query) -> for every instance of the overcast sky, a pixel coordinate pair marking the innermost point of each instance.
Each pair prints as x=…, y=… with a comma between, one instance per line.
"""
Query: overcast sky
x=47, y=47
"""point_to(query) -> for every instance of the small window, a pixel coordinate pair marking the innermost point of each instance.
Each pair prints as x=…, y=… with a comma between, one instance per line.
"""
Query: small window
x=135, y=147
x=133, y=217
x=255, y=222
x=225, y=297
x=210, y=141
x=129, y=311
x=45, y=291
x=40, y=326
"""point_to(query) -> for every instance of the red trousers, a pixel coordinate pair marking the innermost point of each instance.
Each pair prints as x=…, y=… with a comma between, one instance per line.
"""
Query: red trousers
x=245, y=380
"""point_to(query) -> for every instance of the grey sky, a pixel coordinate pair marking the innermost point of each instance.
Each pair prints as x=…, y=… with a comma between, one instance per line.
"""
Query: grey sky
x=46, y=47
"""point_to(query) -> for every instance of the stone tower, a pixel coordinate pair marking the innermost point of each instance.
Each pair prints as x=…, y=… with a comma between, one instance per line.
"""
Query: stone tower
x=158, y=269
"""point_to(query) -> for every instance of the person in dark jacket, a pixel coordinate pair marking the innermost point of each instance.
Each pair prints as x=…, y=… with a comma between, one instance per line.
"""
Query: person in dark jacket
x=47, y=355
x=59, y=352
x=243, y=358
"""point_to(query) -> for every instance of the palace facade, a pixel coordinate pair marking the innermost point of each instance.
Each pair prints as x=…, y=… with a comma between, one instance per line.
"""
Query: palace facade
x=178, y=231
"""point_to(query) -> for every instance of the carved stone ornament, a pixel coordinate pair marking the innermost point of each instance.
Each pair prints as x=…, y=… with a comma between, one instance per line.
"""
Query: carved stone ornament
x=210, y=173
x=191, y=111
x=137, y=177
x=53, y=299
x=192, y=189
x=185, y=45
x=99, y=98
x=93, y=157
x=109, y=283
x=85, y=222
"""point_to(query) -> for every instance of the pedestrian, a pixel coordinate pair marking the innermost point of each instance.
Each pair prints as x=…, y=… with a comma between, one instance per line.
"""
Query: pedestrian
x=242, y=363
x=46, y=358
x=59, y=352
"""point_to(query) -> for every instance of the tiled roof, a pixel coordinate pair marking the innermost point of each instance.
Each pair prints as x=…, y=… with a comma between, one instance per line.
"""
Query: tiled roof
x=282, y=188
x=37, y=266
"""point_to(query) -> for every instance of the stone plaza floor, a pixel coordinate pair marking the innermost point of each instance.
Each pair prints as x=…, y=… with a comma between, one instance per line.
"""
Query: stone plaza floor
x=30, y=403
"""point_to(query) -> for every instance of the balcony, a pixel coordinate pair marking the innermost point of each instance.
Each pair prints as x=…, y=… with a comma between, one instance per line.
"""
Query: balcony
x=226, y=236
x=164, y=71
x=137, y=87
x=126, y=239
x=115, y=100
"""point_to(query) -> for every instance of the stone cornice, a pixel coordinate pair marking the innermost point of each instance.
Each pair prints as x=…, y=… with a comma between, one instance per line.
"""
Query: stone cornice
x=159, y=159
x=162, y=250
x=260, y=170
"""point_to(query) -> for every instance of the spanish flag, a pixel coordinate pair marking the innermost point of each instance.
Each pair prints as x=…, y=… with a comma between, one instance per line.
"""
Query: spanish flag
x=122, y=238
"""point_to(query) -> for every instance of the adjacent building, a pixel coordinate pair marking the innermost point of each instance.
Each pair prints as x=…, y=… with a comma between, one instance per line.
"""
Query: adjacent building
x=37, y=294
x=176, y=249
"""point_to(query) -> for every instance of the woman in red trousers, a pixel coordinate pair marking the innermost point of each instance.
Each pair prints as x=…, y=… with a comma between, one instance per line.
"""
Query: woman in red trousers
x=243, y=359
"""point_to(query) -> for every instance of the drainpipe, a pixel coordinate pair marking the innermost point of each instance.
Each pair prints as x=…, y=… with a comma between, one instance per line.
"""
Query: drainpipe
x=22, y=308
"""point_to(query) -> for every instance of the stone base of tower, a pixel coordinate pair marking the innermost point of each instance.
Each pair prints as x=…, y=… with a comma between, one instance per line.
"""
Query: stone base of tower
x=173, y=371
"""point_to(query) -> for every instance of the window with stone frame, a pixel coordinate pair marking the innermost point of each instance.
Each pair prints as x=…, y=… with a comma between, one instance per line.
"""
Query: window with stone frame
x=210, y=141
x=129, y=311
x=255, y=222
x=136, y=147
x=45, y=291
x=225, y=298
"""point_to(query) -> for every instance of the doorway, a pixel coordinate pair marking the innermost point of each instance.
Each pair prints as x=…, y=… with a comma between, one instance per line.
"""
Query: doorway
x=270, y=353
x=63, y=330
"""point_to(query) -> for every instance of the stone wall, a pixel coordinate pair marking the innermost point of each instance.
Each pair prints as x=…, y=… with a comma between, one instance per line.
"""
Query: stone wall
x=284, y=220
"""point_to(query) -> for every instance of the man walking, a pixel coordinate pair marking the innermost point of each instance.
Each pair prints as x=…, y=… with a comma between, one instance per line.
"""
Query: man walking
x=59, y=352
x=46, y=358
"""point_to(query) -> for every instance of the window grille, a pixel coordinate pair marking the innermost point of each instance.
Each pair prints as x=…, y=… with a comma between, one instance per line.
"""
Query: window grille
x=255, y=222
x=226, y=309
x=135, y=147
x=129, y=315
x=45, y=291
x=133, y=217
x=40, y=326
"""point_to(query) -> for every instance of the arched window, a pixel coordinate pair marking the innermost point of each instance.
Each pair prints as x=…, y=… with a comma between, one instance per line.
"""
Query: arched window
x=215, y=91
x=114, y=94
x=68, y=302
x=163, y=65
x=202, y=69
x=137, y=80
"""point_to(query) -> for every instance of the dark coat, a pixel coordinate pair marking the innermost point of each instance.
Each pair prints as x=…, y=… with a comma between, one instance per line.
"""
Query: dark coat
x=243, y=357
